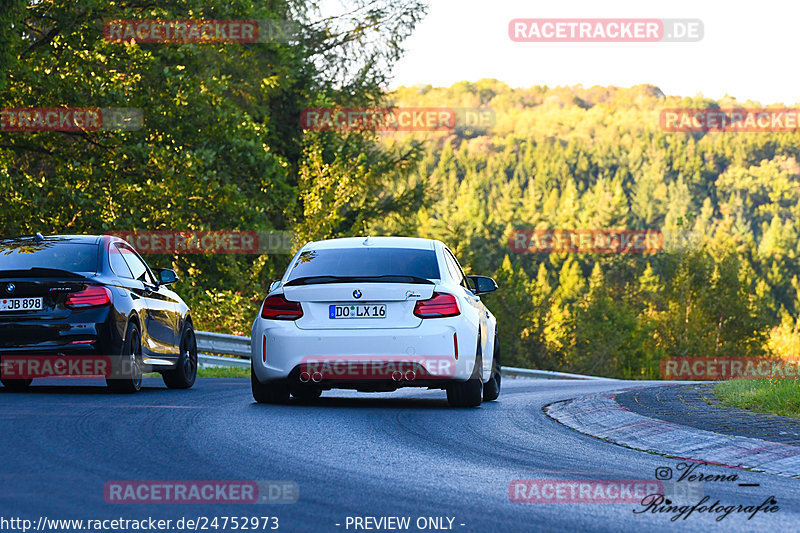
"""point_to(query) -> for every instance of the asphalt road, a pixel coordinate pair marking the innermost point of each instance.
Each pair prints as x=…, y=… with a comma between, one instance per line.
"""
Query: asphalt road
x=403, y=454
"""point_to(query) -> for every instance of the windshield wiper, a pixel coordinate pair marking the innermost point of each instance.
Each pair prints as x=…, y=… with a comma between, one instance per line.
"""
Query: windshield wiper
x=388, y=278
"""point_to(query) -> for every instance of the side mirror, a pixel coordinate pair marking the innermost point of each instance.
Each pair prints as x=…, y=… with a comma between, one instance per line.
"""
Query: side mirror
x=166, y=276
x=274, y=285
x=482, y=284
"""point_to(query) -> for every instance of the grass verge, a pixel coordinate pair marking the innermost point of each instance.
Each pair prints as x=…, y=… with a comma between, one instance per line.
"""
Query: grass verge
x=213, y=373
x=779, y=397
x=223, y=372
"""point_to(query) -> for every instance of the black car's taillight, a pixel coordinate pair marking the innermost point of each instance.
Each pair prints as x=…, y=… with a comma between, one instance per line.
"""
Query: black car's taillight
x=279, y=308
x=91, y=296
x=440, y=305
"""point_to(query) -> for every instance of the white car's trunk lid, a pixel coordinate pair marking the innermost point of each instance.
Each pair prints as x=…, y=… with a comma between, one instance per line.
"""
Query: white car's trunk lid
x=358, y=305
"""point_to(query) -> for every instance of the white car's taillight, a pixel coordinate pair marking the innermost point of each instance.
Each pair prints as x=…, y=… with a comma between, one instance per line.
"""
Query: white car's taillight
x=439, y=306
x=279, y=308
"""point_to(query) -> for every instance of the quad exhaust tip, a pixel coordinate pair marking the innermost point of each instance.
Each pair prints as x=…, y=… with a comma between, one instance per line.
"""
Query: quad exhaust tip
x=397, y=375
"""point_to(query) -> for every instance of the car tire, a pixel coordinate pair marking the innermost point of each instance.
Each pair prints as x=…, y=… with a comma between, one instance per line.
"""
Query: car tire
x=270, y=392
x=16, y=385
x=129, y=367
x=184, y=374
x=491, y=389
x=470, y=392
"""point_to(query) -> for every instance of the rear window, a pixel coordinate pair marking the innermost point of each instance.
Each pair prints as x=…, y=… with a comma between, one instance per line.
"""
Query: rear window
x=73, y=257
x=366, y=262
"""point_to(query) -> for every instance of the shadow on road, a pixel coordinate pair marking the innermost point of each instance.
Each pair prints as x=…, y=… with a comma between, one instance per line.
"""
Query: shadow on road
x=83, y=388
x=365, y=403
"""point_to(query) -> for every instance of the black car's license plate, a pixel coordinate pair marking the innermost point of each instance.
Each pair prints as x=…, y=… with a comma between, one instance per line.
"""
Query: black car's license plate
x=20, y=304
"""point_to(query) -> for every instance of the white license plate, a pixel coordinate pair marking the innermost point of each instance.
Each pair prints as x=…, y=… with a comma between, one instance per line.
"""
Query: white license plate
x=357, y=311
x=20, y=304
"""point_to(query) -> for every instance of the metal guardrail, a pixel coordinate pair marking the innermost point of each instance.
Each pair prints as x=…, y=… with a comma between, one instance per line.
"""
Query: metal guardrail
x=221, y=344
x=214, y=361
x=510, y=371
x=213, y=345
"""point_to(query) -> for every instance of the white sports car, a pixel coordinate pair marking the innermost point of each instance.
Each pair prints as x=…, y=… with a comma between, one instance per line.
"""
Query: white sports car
x=375, y=314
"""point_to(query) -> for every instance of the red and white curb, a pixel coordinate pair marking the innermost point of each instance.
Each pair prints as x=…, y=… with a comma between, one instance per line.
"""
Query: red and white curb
x=600, y=416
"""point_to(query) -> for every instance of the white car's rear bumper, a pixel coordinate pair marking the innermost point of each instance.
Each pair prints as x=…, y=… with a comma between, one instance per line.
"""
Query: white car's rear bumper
x=280, y=348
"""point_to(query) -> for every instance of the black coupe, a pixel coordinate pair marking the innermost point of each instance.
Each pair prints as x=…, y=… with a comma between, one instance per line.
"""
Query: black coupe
x=65, y=298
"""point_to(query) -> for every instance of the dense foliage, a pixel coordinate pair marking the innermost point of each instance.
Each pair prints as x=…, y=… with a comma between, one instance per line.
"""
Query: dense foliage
x=221, y=147
x=726, y=283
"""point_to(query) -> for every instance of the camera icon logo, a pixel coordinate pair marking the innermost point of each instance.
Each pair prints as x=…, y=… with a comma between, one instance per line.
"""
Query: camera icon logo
x=663, y=473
